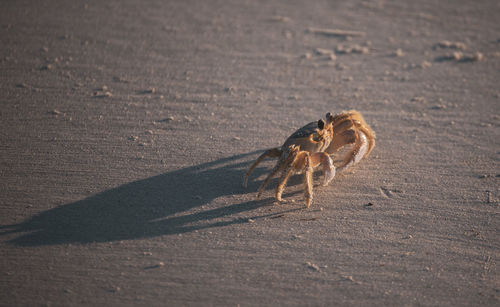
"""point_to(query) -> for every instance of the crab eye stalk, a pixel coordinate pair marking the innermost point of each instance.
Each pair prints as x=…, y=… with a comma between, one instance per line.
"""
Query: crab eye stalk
x=321, y=124
x=329, y=117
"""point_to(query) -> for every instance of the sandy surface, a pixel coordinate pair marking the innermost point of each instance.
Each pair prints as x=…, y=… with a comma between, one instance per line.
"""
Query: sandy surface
x=126, y=128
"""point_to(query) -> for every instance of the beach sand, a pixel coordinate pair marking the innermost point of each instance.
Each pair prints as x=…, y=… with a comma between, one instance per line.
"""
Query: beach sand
x=127, y=126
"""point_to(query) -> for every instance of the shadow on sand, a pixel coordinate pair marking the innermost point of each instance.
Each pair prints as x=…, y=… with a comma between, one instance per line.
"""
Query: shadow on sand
x=145, y=208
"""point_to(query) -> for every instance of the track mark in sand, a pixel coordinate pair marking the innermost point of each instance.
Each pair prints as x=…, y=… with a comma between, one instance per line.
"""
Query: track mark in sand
x=386, y=192
x=335, y=32
x=313, y=267
x=491, y=199
x=458, y=56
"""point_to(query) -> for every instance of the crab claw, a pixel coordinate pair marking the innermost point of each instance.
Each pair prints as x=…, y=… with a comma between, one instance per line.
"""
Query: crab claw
x=328, y=171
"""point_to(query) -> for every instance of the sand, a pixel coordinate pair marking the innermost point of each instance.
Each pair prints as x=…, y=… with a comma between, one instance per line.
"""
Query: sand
x=126, y=128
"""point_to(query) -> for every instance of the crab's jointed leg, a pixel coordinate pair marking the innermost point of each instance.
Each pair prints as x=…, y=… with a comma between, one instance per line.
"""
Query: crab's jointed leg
x=271, y=153
x=284, y=178
x=308, y=182
x=295, y=162
x=306, y=161
x=279, y=166
x=322, y=158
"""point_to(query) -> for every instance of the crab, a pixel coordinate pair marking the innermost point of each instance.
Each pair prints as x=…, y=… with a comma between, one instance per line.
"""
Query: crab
x=312, y=146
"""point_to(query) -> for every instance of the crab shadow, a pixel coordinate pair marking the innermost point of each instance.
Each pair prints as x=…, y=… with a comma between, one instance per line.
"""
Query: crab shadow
x=171, y=203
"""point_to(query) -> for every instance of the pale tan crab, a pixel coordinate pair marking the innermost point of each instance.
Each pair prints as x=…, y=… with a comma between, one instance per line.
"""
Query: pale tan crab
x=312, y=145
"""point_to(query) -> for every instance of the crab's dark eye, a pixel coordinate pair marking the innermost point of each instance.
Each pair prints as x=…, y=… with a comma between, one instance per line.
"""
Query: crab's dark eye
x=321, y=124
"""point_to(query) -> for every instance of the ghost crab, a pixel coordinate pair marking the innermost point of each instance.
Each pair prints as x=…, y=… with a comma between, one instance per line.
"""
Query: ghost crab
x=312, y=145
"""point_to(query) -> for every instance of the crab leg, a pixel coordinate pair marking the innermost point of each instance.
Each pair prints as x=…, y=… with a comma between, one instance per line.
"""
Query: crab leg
x=318, y=158
x=308, y=184
x=322, y=158
x=272, y=153
x=296, y=164
x=277, y=168
x=284, y=179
